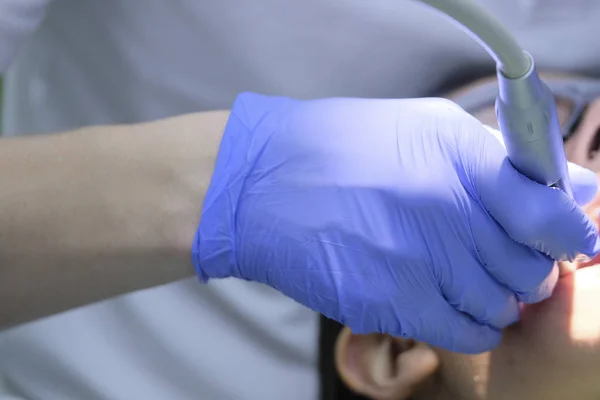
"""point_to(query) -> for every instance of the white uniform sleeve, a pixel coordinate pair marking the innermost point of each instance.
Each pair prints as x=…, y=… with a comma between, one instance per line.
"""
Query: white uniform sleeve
x=18, y=19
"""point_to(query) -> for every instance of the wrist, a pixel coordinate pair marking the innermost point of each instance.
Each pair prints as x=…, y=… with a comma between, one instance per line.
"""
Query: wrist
x=213, y=249
x=253, y=121
x=165, y=168
x=190, y=159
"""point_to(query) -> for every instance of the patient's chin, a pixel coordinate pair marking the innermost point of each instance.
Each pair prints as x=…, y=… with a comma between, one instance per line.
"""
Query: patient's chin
x=552, y=353
x=570, y=315
x=557, y=340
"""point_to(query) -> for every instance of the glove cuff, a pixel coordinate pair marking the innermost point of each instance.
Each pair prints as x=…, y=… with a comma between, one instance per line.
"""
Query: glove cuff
x=246, y=132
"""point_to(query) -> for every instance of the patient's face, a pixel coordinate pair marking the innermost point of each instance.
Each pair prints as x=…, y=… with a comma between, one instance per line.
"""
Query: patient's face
x=553, y=353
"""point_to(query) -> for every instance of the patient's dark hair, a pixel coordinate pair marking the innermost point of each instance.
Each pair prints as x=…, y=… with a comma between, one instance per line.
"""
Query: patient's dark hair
x=332, y=387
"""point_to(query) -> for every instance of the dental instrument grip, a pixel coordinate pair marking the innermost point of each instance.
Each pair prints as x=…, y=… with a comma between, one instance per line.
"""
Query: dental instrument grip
x=525, y=107
x=528, y=120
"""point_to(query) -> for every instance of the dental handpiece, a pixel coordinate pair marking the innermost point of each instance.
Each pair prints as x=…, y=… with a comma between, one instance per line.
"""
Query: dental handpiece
x=528, y=121
x=525, y=107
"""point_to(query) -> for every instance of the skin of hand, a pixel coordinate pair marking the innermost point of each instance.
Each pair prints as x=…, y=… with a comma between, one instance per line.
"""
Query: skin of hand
x=552, y=353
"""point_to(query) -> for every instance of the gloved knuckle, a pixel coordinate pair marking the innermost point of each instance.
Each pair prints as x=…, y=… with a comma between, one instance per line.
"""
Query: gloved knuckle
x=542, y=285
x=534, y=295
x=531, y=282
x=438, y=107
x=447, y=104
x=540, y=294
x=503, y=313
x=531, y=228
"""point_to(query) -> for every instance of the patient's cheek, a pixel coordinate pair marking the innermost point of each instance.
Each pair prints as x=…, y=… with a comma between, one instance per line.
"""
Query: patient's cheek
x=554, y=351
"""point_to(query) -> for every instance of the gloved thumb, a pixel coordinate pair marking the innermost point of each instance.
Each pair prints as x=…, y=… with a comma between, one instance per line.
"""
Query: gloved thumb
x=583, y=180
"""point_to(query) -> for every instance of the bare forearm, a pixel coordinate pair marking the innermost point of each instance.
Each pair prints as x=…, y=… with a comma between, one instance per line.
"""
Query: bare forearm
x=101, y=211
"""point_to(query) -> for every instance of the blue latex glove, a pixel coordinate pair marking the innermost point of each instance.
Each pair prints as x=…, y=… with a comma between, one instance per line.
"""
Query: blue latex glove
x=395, y=216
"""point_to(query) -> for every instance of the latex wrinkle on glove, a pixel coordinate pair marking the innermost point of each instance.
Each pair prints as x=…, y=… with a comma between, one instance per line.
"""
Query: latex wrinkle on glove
x=395, y=216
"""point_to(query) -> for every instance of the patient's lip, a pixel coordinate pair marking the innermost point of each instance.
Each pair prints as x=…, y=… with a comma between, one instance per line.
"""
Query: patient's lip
x=582, y=258
x=567, y=267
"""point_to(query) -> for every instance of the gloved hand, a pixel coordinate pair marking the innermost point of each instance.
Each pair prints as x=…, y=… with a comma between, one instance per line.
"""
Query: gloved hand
x=396, y=216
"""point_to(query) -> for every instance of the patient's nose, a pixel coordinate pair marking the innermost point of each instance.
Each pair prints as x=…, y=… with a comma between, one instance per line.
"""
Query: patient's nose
x=583, y=147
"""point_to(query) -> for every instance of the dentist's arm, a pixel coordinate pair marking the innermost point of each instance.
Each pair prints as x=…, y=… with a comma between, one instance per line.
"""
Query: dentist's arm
x=101, y=211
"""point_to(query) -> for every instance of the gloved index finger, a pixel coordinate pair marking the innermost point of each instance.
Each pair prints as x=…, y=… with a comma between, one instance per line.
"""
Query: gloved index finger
x=532, y=214
x=583, y=180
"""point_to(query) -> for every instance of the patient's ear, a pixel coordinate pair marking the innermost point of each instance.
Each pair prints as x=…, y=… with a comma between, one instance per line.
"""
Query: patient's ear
x=382, y=367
